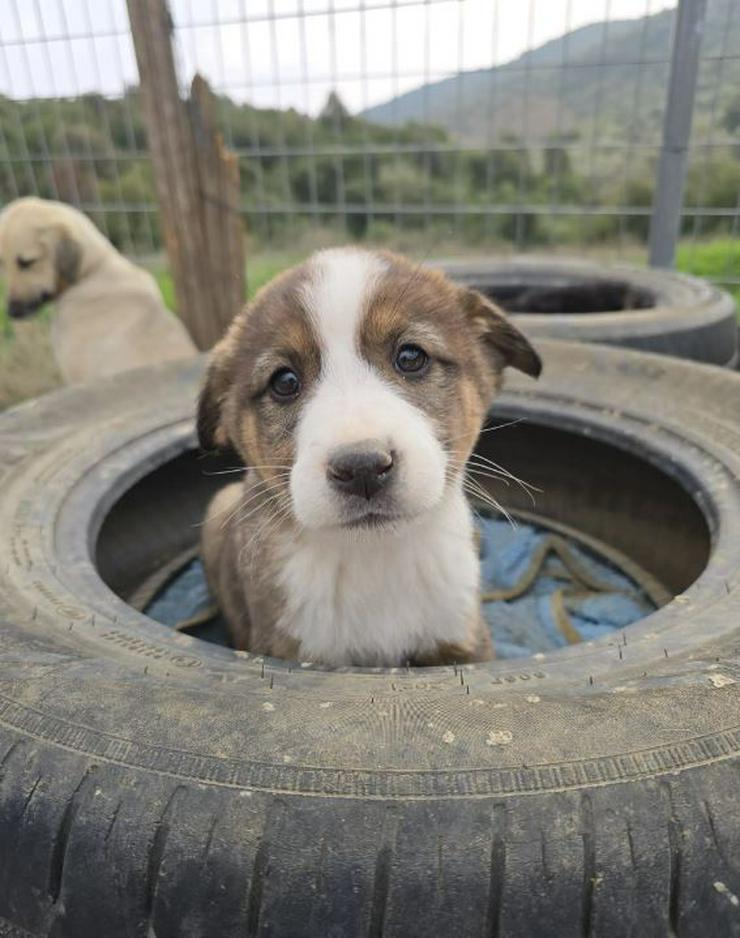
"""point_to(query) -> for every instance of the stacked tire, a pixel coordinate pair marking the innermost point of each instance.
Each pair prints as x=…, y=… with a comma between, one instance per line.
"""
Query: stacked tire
x=652, y=310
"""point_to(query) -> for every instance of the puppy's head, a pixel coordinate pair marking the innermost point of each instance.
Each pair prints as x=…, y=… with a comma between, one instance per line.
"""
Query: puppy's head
x=39, y=255
x=357, y=384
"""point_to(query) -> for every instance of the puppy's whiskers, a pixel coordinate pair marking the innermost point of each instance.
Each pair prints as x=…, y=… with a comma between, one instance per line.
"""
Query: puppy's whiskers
x=263, y=498
x=226, y=472
x=485, y=472
x=499, y=426
x=476, y=491
x=489, y=463
x=487, y=468
x=254, y=491
x=267, y=527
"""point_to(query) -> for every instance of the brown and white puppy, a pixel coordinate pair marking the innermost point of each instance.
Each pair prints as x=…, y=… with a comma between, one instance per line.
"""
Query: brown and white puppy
x=354, y=388
x=109, y=314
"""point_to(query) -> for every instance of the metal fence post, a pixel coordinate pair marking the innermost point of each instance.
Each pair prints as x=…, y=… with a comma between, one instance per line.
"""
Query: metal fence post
x=665, y=223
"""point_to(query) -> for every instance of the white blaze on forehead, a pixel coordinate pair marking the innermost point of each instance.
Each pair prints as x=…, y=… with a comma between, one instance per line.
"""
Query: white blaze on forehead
x=336, y=296
x=353, y=402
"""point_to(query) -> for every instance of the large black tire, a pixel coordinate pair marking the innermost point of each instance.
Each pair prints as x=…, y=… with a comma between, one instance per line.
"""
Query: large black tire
x=154, y=785
x=653, y=310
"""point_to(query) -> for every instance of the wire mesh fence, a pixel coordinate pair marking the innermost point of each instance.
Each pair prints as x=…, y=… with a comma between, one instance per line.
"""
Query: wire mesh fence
x=449, y=125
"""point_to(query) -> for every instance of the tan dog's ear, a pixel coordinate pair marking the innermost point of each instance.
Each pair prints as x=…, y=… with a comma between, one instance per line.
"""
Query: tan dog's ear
x=210, y=425
x=67, y=258
x=500, y=335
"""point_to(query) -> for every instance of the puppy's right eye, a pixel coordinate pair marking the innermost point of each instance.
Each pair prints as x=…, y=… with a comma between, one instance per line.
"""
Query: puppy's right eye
x=411, y=359
x=285, y=384
x=24, y=262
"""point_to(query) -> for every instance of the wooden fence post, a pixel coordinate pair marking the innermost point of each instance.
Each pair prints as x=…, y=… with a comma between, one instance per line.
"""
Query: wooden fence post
x=197, y=222
x=220, y=196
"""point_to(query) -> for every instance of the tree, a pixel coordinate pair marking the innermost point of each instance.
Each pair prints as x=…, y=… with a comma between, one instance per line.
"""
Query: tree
x=334, y=114
x=731, y=120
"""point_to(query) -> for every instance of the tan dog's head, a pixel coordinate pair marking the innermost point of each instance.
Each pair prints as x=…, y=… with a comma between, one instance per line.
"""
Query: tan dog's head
x=39, y=251
x=356, y=386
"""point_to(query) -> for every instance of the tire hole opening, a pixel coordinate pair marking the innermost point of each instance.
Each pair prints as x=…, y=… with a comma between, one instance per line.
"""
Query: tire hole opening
x=602, y=500
x=552, y=295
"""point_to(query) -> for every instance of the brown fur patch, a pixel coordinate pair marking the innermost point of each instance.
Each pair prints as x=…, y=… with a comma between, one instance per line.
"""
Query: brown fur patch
x=504, y=342
x=478, y=648
x=236, y=407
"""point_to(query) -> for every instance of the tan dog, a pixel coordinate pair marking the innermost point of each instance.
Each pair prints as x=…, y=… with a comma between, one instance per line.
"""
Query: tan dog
x=109, y=313
x=354, y=388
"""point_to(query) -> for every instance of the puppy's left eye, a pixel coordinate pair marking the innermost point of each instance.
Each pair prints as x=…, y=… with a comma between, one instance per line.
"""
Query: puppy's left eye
x=285, y=384
x=25, y=262
x=411, y=359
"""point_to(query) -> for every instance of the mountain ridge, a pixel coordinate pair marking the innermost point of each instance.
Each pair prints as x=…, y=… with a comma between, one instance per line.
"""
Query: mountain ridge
x=613, y=84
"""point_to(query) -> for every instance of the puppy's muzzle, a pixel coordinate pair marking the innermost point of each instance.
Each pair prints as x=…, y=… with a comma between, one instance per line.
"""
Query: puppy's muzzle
x=19, y=309
x=361, y=469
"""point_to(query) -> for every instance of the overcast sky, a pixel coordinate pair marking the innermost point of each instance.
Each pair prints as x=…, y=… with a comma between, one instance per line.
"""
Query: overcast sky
x=265, y=52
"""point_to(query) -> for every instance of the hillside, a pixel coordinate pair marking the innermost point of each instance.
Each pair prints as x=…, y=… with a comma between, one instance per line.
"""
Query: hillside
x=536, y=97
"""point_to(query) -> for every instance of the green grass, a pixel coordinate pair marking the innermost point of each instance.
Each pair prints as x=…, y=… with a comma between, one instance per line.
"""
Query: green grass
x=166, y=285
x=260, y=271
x=716, y=260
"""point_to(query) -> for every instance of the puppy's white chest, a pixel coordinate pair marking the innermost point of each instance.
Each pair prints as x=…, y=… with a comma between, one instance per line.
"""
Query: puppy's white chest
x=381, y=599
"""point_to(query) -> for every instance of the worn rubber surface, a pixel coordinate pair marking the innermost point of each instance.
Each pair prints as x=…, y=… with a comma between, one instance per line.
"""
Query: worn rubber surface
x=153, y=785
x=675, y=314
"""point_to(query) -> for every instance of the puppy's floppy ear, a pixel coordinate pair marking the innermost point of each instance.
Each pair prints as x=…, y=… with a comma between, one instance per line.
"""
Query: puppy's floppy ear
x=500, y=335
x=210, y=424
x=67, y=258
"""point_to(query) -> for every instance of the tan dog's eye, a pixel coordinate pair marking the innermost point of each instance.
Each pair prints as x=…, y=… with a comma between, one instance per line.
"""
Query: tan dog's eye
x=25, y=262
x=285, y=384
x=411, y=359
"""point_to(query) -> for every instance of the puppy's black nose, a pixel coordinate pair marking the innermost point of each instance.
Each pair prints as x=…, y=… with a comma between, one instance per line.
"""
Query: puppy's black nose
x=20, y=309
x=360, y=469
x=17, y=309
